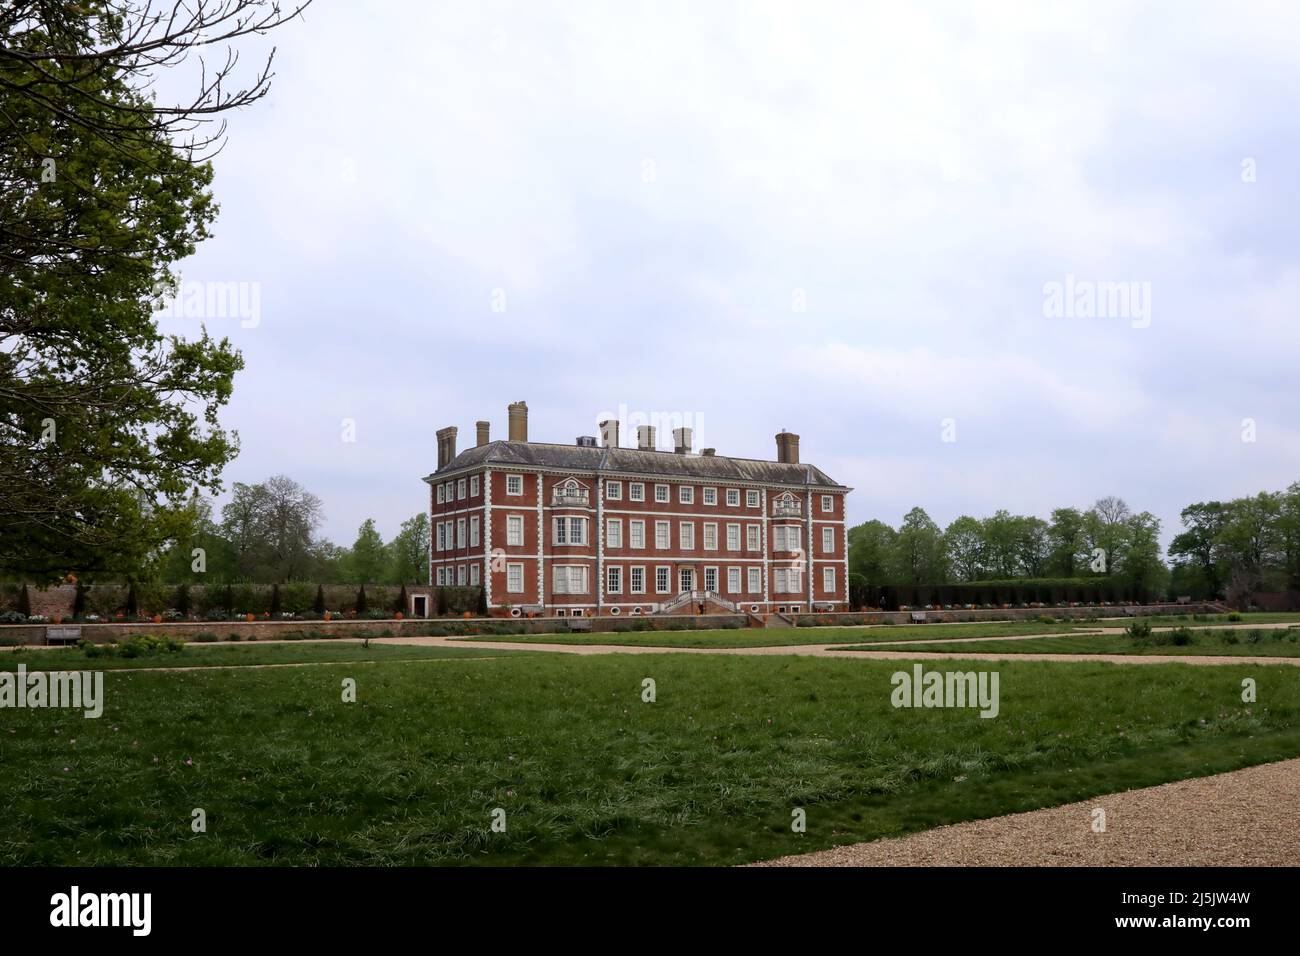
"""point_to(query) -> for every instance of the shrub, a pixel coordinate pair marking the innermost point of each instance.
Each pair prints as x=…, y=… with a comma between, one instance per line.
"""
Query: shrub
x=1230, y=637
x=1139, y=630
x=1045, y=619
x=1234, y=616
x=319, y=606
x=1180, y=636
x=144, y=645
x=205, y=637
x=1254, y=636
x=232, y=636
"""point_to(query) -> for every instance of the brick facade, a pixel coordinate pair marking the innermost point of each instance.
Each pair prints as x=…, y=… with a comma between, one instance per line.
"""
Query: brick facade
x=585, y=530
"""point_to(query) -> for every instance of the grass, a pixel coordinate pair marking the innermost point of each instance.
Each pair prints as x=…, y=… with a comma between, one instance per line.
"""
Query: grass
x=1275, y=642
x=1199, y=620
x=227, y=655
x=586, y=771
x=784, y=636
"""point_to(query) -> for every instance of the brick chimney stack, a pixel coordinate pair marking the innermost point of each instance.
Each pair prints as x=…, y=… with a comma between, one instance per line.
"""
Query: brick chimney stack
x=518, y=412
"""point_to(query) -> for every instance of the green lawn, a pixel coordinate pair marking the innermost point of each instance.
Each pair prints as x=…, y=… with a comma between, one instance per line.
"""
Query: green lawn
x=232, y=654
x=1232, y=643
x=1200, y=620
x=783, y=636
x=587, y=772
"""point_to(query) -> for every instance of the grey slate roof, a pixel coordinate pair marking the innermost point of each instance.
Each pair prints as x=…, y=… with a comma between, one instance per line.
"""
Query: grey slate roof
x=633, y=461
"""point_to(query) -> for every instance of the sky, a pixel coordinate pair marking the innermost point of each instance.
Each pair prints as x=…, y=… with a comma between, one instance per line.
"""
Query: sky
x=978, y=256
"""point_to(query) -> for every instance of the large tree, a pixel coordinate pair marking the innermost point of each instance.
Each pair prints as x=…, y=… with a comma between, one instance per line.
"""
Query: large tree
x=106, y=425
x=410, y=551
x=918, y=553
x=270, y=527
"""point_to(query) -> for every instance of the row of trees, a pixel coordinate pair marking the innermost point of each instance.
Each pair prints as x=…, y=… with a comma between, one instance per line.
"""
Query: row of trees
x=1107, y=540
x=266, y=534
x=1234, y=548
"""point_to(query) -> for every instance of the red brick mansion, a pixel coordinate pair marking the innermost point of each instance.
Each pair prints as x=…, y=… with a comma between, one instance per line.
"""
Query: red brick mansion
x=594, y=528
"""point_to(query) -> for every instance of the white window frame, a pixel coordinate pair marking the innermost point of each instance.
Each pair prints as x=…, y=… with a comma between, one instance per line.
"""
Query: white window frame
x=733, y=536
x=636, y=533
x=460, y=532
x=636, y=491
x=686, y=535
x=663, y=494
x=513, y=480
x=828, y=580
x=754, y=580
x=733, y=580
x=442, y=495
x=634, y=572
x=460, y=489
x=515, y=577
x=563, y=528
x=711, y=572
x=752, y=500
x=710, y=496
x=514, y=531
x=614, y=579
x=663, y=535
x=474, y=579
x=733, y=497
x=613, y=491
x=441, y=577
x=753, y=540
x=828, y=503
x=461, y=575
x=828, y=540
x=686, y=494
x=664, y=573
x=570, y=579
x=473, y=486
x=614, y=533
x=474, y=531
x=710, y=540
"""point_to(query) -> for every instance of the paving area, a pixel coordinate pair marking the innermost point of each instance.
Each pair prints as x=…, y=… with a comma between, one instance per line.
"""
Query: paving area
x=1248, y=817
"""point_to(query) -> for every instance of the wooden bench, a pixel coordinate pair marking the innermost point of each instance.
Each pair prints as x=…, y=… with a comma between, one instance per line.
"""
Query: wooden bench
x=63, y=634
x=918, y=617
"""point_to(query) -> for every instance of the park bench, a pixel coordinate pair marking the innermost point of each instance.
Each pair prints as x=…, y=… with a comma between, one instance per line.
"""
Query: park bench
x=63, y=634
x=579, y=624
x=918, y=617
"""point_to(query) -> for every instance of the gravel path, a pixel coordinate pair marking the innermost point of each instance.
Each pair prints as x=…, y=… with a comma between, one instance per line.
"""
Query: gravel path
x=829, y=650
x=1248, y=817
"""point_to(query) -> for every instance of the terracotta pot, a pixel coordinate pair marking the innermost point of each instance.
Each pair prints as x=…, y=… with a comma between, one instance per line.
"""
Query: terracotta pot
x=397, y=616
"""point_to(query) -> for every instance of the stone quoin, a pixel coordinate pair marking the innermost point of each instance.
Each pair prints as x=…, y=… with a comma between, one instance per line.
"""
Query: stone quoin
x=594, y=528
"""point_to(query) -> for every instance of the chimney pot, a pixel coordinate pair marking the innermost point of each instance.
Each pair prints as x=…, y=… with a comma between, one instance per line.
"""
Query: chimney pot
x=645, y=437
x=609, y=432
x=518, y=413
x=483, y=432
x=446, y=445
x=682, y=441
x=708, y=452
x=787, y=447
